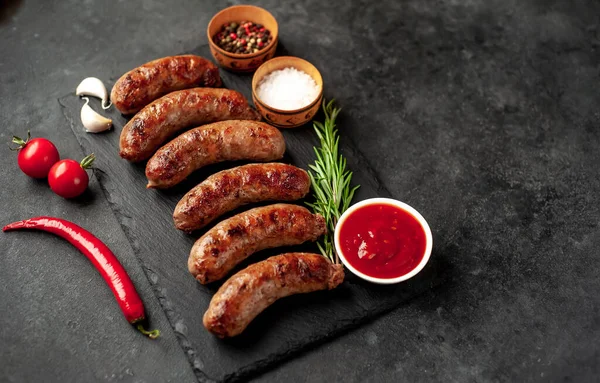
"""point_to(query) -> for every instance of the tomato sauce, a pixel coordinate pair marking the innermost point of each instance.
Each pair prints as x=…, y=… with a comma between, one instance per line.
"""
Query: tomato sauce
x=382, y=240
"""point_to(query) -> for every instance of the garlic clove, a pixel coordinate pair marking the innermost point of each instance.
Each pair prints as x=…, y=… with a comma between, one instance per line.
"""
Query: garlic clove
x=92, y=121
x=92, y=86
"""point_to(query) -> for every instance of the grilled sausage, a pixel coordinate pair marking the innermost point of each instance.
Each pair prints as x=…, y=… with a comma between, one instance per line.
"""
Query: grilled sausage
x=250, y=291
x=209, y=144
x=228, y=189
x=161, y=119
x=218, y=251
x=142, y=85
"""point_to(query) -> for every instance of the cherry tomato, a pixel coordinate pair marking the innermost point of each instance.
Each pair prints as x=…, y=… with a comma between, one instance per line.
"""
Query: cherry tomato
x=68, y=178
x=36, y=156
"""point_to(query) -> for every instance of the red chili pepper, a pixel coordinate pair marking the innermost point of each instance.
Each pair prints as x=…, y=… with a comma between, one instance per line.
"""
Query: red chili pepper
x=102, y=258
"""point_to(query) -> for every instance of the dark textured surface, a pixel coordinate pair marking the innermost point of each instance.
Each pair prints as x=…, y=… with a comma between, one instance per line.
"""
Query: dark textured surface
x=481, y=114
x=146, y=218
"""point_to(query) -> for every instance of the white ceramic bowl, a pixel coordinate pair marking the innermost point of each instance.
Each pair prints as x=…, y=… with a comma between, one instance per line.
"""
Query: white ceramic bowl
x=401, y=205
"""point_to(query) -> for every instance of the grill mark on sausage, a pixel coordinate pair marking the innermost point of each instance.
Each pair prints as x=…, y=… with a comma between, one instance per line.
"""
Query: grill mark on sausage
x=217, y=142
x=242, y=235
x=247, y=293
x=144, y=84
x=228, y=189
x=178, y=110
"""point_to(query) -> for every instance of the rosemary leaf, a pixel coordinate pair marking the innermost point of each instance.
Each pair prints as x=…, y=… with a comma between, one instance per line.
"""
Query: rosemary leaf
x=331, y=181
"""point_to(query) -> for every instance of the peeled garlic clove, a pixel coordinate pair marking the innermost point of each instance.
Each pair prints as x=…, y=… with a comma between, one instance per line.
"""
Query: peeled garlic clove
x=92, y=121
x=94, y=87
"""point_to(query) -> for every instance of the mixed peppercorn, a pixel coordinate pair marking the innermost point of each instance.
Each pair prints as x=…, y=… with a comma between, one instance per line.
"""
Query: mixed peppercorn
x=244, y=37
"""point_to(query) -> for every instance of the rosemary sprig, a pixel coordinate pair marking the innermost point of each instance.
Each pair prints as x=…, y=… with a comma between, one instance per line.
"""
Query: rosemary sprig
x=329, y=178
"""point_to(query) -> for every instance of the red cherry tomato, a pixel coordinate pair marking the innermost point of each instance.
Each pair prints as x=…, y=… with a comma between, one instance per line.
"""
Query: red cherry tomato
x=68, y=178
x=36, y=156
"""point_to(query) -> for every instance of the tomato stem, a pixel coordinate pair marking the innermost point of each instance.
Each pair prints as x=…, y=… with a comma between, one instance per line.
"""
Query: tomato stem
x=150, y=334
x=20, y=142
x=87, y=161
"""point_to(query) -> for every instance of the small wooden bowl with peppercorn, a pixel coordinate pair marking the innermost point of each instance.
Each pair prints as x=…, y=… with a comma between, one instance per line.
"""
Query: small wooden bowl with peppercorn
x=287, y=91
x=242, y=37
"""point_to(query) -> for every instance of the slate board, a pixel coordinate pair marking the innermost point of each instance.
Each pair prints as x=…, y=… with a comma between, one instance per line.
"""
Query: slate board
x=289, y=325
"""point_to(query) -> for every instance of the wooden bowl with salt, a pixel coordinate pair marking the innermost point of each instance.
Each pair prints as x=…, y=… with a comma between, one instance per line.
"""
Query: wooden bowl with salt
x=284, y=117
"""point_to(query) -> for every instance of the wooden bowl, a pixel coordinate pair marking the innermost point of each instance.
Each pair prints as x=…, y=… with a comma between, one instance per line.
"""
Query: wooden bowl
x=287, y=118
x=239, y=62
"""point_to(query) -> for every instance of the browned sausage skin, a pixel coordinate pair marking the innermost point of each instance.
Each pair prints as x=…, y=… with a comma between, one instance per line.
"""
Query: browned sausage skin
x=168, y=115
x=228, y=189
x=231, y=241
x=144, y=84
x=212, y=143
x=250, y=291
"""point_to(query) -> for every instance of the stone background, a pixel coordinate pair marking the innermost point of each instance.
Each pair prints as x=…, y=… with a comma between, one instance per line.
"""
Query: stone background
x=481, y=114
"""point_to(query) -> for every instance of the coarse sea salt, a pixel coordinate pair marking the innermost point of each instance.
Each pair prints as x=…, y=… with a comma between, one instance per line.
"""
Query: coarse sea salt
x=287, y=89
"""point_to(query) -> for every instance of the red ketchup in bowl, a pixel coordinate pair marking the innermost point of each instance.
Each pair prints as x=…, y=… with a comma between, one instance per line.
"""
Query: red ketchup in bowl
x=382, y=240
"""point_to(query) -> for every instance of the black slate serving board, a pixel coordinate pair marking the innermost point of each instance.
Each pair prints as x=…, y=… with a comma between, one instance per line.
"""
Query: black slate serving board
x=287, y=326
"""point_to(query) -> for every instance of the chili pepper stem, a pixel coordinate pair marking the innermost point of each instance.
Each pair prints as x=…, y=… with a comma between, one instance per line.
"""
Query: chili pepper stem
x=150, y=334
